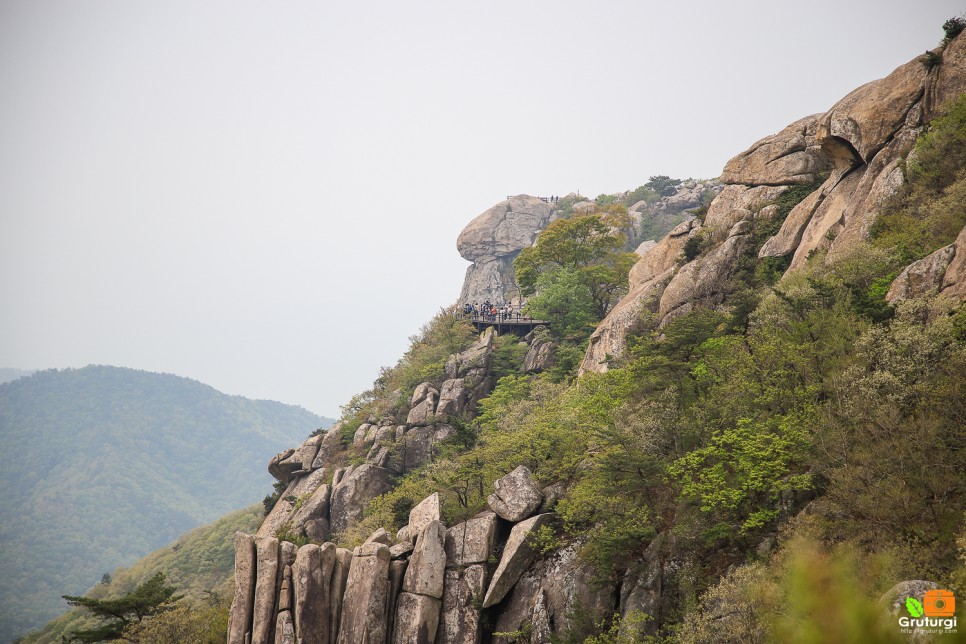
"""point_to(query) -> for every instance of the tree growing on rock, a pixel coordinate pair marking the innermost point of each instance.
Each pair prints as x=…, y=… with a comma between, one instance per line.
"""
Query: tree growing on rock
x=120, y=614
x=588, y=247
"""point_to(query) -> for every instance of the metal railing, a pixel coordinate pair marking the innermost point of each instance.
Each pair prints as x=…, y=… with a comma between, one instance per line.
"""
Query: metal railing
x=514, y=317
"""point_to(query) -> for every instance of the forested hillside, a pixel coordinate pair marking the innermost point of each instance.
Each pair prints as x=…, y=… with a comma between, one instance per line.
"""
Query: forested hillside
x=752, y=431
x=198, y=564
x=749, y=430
x=101, y=465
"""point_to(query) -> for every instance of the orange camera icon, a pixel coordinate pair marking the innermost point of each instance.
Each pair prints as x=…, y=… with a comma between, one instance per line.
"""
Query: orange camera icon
x=939, y=603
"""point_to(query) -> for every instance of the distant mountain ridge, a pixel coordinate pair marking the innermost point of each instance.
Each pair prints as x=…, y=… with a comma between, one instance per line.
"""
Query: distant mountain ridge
x=101, y=465
x=7, y=374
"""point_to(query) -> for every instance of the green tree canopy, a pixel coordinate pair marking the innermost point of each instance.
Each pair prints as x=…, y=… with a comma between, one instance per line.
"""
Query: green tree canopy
x=591, y=247
x=663, y=185
x=150, y=598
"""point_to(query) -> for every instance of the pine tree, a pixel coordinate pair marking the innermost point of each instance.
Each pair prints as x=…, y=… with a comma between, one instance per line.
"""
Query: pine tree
x=150, y=598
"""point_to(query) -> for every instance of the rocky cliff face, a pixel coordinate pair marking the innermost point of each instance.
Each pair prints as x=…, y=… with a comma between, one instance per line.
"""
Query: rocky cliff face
x=851, y=154
x=436, y=583
x=494, y=239
x=429, y=582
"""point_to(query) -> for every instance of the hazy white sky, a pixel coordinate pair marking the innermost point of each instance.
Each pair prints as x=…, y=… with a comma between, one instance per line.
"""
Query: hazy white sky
x=266, y=196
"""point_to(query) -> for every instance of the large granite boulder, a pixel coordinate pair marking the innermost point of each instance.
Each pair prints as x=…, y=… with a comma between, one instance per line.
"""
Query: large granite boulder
x=312, y=578
x=517, y=495
x=340, y=578
x=954, y=278
x=647, y=278
x=424, y=406
x=540, y=355
x=397, y=571
x=416, y=619
x=364, y=604
x=451, y=398
x=894, y=599
x=283, y=465
x=424, y=513
x=419, y=444
x=950, y=77
x=472, y=541
x=784, y=158
x=354, y=492
x=266, y=578
x=550, y=592
x=240, y=614
x=462, y=598
x=923, y=276
x=518, y=554
x=870, y=116
x=299, y=487
x=316, y=507
x=424, y=576
x=705, y=281
x=492, y=240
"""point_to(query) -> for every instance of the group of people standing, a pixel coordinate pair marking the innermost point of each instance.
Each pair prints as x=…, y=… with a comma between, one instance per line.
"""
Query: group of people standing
x=491, y=312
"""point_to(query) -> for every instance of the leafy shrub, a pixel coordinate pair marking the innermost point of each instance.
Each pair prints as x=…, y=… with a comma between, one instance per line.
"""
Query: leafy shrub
x=809, y=594
x=953, y=27
x=269, y=501
x=693, y=247
x=641, y=193
x=931, y=59
x=663, y=185
x=930, y=209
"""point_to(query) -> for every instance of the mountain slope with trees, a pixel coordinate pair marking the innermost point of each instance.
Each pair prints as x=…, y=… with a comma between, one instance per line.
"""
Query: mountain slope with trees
x=198, y=564
x=101, y=465
x=763, y=442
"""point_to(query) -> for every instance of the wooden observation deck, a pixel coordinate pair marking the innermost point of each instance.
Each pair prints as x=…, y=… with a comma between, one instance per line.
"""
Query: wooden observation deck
x=516, y=324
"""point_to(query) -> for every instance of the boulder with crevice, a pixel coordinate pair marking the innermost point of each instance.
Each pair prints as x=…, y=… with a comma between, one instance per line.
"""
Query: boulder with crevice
x=420, y=444
x=240, y=614
x=364, y=604
x=647, y=278
x=451, y=398
x=460, y=612
x=705, y=281
x=424, y=409
x=540, y=355
x=472, y=541
x=869, y=117
x=354, y=492
x=312, y=576
x=397, y=571
x=788, y=157
x=424, y=576
x=954, y=277
x=518, y=554
x=263, y=608
x=316, y=507
x=340, y=577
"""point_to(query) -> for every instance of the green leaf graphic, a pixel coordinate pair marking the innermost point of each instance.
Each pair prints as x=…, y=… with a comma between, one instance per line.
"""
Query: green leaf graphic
x=914, y=606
